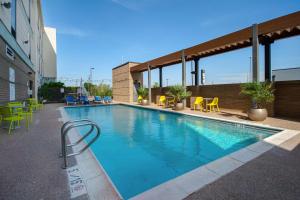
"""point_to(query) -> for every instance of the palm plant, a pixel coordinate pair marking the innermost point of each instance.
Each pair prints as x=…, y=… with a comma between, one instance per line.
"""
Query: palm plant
x=260, y=93
x=143, y=92
x=178, y=92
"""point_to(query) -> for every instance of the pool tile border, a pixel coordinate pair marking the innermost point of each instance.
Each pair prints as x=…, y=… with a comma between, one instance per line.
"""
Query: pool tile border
x=97, y=182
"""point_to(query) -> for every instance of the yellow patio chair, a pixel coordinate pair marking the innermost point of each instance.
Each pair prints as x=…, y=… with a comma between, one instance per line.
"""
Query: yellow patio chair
x=12, y=118
x=214, y=104
x=198, y=101
x=162, y=101
x=140, y=99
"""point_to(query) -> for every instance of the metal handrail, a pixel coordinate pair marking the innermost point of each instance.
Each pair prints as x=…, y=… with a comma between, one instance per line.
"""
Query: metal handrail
x=64, y=127
x=73, y=124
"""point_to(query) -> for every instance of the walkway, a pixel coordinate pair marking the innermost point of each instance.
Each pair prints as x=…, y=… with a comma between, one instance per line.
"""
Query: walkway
x=29, y=163
x=274, y=175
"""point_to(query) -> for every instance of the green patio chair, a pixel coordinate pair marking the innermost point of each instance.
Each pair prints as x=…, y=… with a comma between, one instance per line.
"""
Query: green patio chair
x=35, y=105
x=26, y=112
x=10, y=117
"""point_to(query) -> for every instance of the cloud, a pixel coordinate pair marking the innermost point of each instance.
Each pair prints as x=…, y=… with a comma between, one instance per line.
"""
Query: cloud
x=73, y=32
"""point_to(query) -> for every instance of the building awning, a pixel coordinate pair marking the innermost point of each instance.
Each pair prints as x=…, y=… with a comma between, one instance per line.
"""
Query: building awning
x=269, y=31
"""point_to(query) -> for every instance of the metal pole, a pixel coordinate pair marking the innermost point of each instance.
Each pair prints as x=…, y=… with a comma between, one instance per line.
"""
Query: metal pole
x=160, y=77
x=149, y=84
x=196, y=60
x=183, y=73
x=268, y=61
x=255, y=53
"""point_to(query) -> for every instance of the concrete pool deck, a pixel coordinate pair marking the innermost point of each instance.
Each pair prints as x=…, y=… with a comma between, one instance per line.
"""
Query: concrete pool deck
x=30, y=168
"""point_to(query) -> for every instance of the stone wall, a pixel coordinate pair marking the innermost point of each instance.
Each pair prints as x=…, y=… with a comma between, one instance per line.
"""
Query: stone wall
x=122, y=82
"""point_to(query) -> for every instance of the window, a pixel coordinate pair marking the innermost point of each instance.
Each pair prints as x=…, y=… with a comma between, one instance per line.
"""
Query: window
x=10, y=53
x=12, y=86
x=13, y=17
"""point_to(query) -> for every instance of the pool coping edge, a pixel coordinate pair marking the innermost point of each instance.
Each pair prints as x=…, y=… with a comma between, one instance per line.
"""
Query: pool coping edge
x=88, y=153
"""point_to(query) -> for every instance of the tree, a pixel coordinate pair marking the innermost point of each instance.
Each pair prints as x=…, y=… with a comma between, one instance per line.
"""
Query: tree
x=156, y=85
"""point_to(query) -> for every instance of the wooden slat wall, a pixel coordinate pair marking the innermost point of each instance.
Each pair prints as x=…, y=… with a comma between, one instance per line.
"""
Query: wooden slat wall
x=287, y=99
x=286, y=104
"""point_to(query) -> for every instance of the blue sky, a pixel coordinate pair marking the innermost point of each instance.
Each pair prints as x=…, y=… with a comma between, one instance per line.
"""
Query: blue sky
x=103, y=33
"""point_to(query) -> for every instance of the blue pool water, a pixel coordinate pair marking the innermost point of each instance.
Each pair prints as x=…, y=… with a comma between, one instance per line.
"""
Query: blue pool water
x=141, y=148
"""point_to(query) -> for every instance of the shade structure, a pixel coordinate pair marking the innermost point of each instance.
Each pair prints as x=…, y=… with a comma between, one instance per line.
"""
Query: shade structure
x=275, y=29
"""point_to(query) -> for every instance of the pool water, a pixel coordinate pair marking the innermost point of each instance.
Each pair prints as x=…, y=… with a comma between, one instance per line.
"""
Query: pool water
x=142, y=148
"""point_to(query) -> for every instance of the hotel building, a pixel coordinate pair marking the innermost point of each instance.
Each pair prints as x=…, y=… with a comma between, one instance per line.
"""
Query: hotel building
x=27, y=50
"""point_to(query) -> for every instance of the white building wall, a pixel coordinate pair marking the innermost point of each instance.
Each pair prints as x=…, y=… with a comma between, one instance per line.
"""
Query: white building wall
x=5, y=16
x=49, y=54
x=29, y=36
x=23, y=29
x=286, y=74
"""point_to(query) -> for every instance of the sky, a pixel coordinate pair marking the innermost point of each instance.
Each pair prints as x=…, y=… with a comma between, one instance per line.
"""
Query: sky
x=105, y=33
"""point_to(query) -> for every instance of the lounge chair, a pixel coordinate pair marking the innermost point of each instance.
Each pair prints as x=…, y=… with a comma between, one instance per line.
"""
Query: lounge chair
x=98, y=99
x=214, y=104
x=107, y=99
x=91, y=98
x=70, y=100
x=198, y=101
x=84, y=100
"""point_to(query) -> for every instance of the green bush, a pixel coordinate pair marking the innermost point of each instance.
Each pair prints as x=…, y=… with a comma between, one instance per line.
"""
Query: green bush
x=143, y=92
x=178, y=92
x=260, y=93
x=51, y=91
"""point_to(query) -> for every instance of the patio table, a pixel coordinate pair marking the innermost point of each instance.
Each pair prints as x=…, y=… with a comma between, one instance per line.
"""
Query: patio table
x=206, y=102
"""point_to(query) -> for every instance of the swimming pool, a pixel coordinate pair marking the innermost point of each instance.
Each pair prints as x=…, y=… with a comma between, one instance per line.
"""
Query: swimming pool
x=141, y=148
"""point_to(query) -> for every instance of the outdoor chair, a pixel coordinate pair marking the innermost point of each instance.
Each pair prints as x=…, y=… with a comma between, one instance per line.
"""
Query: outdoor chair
x=10, y=117
x=214, y=104
x=107, y=99
x=70, y=100
x=162, y=101
x=140, y=99
x=84, y=100
x=91, y=98
x=26, y=112
x=98, y=99
x=198, y=101
x=34, y=104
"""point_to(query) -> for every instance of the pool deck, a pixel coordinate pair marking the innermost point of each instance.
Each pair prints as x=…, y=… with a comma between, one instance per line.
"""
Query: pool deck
x=30, y=167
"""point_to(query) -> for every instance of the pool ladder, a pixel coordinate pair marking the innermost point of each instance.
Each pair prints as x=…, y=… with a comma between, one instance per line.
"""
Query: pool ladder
x=71, y=125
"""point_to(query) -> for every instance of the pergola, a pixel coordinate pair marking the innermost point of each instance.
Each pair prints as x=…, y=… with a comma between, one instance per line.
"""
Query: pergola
x=264, y=33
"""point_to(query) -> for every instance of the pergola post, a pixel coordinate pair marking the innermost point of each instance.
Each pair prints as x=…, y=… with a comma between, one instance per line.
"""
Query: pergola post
x=196, y=60
x=149, y=84
x=255, y=53
x=183, y=73
x=268, y=61
x=160, y=78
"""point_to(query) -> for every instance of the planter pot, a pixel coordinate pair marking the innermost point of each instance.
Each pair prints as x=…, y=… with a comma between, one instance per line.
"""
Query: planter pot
x=179, y=106
x=144, y=102
x=257, y=114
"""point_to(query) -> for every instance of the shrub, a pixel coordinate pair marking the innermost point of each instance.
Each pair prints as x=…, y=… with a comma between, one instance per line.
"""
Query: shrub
x=178, y=92
x=260, y=93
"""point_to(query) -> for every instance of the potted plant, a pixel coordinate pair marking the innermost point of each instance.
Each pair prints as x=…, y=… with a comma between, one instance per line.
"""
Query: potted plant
x=261, y=94
x=143, y=92
x=179, y=93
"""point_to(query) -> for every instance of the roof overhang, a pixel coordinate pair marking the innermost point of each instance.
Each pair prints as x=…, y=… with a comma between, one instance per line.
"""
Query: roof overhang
x=269, y=31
